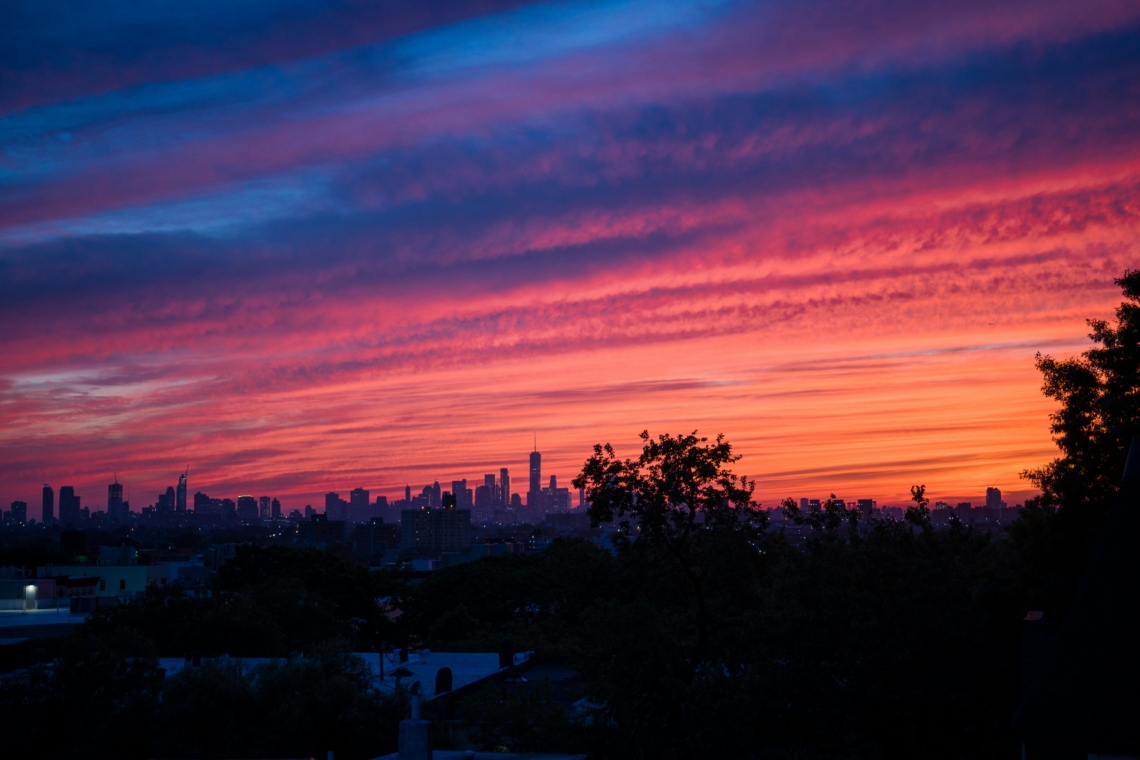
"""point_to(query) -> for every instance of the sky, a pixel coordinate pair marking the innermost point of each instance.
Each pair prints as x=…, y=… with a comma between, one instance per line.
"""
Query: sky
x=308, y=246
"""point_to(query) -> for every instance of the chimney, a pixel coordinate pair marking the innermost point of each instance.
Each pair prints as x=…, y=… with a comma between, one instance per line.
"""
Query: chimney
x=415, y=735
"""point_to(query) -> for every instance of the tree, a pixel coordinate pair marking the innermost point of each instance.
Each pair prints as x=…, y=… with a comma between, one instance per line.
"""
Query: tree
x=683, y=498
x=1099, y=395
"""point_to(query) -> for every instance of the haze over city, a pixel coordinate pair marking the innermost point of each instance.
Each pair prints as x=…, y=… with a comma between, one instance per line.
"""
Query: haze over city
x=364, y=247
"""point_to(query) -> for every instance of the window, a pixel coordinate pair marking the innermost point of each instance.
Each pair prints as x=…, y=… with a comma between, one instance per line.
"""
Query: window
x=122, y=584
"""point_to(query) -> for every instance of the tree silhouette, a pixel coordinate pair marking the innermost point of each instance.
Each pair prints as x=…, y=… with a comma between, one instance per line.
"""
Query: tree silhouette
x=681, y=497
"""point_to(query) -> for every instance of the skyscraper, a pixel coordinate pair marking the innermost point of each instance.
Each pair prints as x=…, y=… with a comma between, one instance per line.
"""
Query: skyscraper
x=68, y=506
x=359, y=506
x=505, y=486
x=180, y=500
x=534, y=495
x=19, y=512
x=263, y=507
x=48, y=514
x=436, y=495
x=275, y=510
x=993, y=498
x=463, y=495
x=247, y=509
x=336, y=508
x=115, y=500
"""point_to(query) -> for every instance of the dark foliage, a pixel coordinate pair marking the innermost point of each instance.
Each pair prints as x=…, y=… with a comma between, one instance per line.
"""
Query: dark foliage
x=1099, y=412
x=266, y=602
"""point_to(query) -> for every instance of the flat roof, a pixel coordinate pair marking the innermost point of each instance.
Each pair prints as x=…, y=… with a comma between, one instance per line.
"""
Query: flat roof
x=19, y=618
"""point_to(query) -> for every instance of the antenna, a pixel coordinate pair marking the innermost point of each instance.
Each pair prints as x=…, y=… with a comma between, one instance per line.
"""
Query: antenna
x=536, y=441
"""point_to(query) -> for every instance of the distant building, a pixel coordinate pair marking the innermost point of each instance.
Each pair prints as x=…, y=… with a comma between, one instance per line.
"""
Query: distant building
x=359, y=506
x=68, y=506
x=431, y=531
x=180, y=496
x=48, y=514
x=263, y=507
x=993, y=498
x=275, y=510
x=866, y=506
x=553, y=499
x=504, y=487
x=247, y=509
x=115, y=500
x=19, y=513
x=336, y=508
x=374, y=539
x=534, y=495
x=321, y=530
x=464, y=498
x=117, y=556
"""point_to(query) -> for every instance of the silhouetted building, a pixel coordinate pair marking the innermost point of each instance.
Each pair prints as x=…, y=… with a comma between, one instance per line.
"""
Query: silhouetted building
x=275, y=510
x=321, y=530
x=534, y=495
x=48, y=514
x=165, y=503
x=504, y=487
x=359, y=506
x=68, y=506
x=263, y=507
x=19, y=513
x=180, y=495
x=463, y=495
x=431, y=531
x=553, y=499
x=436, y=495
x=374, y=539
x=115, y=500
x=993, y=498
x=247, y=509
x=336, y=508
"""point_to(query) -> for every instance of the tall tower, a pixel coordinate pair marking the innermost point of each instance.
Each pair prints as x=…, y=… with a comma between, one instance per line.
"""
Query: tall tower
x=68, y=506
x=535, y=478
x=180, y=500
x=993, y=498
x=114, y=500
x=505, y=486
x=49, y=505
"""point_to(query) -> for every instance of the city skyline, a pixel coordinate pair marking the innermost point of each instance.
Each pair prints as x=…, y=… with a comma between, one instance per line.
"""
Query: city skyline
x=270, y=506
x=387, y=247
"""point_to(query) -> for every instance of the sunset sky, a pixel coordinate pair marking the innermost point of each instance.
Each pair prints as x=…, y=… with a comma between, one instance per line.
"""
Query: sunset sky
x=309, y=246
